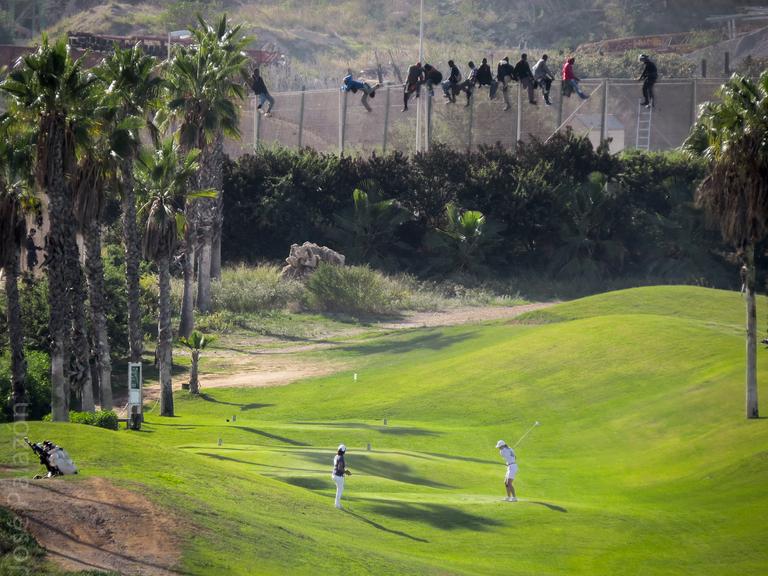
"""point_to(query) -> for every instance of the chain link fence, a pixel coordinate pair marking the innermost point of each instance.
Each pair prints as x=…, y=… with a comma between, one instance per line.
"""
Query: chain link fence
x=331, y=120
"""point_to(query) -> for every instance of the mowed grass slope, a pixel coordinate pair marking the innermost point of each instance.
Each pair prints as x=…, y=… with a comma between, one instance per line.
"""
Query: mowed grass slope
x=643, y=463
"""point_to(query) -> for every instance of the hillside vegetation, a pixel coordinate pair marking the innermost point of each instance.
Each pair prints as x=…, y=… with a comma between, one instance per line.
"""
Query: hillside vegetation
x=643, y=463
x=322, y=37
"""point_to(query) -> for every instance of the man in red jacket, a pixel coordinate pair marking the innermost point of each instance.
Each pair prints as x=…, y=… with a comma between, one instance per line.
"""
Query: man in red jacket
x=570, y=80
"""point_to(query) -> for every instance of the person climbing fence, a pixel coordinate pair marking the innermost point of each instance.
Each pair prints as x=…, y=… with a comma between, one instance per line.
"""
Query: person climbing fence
x=649, y=76
x=349, y=84
x=260, y=89
x=571, y=81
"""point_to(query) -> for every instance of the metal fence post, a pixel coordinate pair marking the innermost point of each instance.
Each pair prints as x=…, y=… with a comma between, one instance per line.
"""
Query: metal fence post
x=695, y=106
x=386, y=121
x=256, y=125
x=604, y=115
x=342, y=120
x=470, y=122
x=428, y=142
x=519, y=127
x=301, y=117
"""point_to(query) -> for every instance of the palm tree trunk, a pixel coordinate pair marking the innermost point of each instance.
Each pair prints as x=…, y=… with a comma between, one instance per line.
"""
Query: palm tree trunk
x=16, y=337
x=216, y=251
x=94, y=267
x=752, y=408
x=187, y=321
x=164, y=338
x=204, y=272
x=132, y=262
x=194, y=384
x=81, y=370
x=210, y=176
x=60, y=212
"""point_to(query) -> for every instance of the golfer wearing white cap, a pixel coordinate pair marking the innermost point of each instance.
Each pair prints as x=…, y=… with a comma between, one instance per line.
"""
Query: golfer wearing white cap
x=509, y=457
x=339, y=471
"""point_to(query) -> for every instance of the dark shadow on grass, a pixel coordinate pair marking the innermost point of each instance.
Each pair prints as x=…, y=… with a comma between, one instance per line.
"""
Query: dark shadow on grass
x=548, y=505
x=462, y=458
x=238, y=461
x=306, y=482
x=394, y=430
x=243, y=407
x=384, y=528
x=437, y=515
x=434, y=340
x=282, y=439
x=374, y=467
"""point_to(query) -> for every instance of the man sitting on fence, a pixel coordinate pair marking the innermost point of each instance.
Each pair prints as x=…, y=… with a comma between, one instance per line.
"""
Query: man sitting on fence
x=413, y=80
x=485, y=78
x=525, y=76
x=452, y=86
x=433, y=77
x=571, y=81
x=351, y=85
x=468, y=85
x=543, y=77
x=505, y=74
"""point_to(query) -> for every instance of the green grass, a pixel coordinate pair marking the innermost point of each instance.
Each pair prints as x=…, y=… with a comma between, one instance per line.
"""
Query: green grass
x=643, y=464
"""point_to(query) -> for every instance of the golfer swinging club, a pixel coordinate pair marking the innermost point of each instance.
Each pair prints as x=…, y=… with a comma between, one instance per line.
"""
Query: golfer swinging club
x=339, y=471
x=509, y=457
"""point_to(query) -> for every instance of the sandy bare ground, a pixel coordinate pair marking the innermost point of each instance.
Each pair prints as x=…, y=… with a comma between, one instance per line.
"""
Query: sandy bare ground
x=94, y=525
x=279, y=366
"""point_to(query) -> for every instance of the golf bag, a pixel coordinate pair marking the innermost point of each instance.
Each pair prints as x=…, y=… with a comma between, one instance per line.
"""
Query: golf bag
x=55, y=459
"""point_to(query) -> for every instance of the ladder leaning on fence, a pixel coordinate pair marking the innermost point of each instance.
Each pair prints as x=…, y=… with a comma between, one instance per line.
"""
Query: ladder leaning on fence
x=644, y=117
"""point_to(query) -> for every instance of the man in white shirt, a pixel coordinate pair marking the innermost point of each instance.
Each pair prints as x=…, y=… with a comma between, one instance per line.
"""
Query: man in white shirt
x=509, y=457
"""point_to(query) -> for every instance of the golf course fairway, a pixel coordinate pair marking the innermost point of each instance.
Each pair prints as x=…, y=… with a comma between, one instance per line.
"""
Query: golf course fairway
x=644, y=462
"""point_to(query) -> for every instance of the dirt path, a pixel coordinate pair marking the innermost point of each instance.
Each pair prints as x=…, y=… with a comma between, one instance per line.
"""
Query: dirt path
x=94, y=525
x=279, y=366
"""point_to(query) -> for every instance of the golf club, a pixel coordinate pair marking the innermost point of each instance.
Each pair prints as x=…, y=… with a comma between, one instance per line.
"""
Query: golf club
x=526, y=433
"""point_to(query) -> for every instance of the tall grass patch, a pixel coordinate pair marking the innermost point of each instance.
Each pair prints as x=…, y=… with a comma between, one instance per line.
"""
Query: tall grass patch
x=355, y=290
x=253, y=289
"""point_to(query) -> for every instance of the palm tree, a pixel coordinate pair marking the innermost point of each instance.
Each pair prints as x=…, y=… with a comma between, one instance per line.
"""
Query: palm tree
x=162, y=176
x=132, y=85
x=15, y=163
x=52, y=95
x=733, y=136
x=466, y=239
x=204, y=81
x=196, y=342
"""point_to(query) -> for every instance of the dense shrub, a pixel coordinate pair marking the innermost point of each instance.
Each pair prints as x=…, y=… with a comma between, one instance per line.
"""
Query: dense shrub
x=561, y=209
x=38, y=385
x=353, y=289
x=101, y=418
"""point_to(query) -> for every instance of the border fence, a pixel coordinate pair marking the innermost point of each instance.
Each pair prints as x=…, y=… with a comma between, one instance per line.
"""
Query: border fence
x=330, y=120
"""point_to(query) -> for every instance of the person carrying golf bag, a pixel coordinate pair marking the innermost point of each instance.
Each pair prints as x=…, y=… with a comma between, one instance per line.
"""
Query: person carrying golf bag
x=509, y=457
x=339, y=471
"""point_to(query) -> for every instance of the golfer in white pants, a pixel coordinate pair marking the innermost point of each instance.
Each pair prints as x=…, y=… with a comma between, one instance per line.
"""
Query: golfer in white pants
x=339, y=471
x=509, y=457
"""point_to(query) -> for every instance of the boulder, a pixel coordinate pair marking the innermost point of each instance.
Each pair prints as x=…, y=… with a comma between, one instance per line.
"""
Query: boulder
x=304, y=259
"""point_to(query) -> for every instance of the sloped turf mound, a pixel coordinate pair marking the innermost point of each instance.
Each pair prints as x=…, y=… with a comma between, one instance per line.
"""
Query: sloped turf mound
x=644, y=462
